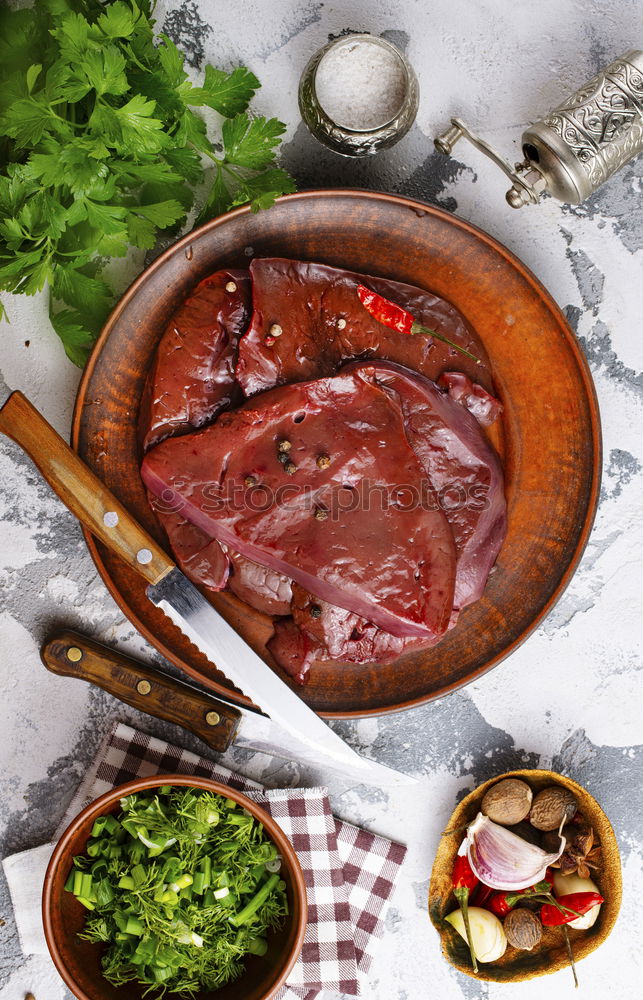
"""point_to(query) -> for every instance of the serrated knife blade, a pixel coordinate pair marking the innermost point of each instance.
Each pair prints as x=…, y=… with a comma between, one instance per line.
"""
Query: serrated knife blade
x=310, y=736
x=104, y=515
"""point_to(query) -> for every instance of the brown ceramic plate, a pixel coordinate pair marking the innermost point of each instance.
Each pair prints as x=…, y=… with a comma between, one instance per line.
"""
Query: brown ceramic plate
x=78, y=962
x=549, y=439
x=551, y=955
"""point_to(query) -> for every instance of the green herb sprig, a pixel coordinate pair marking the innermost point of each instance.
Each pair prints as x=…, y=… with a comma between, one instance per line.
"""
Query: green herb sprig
x=100, y=150
x=181, y=886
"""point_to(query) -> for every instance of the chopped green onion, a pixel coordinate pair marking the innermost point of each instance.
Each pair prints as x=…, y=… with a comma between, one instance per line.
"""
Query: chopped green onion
x=178, y=922
x=257, y=946
x=251, y=908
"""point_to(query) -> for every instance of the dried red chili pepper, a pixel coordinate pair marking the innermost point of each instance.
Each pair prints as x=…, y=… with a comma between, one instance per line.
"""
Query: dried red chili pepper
x=463, y=876
x=396, y=318
x=498, y=904
x=568, y=908
x=464, y=880
x=501, y=903
x=481, y=895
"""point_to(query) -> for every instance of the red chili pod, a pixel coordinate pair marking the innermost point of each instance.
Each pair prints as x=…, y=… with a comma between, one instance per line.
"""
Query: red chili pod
x=498, y=904
x=463, y=876
x=396, y=318
x=568, y=908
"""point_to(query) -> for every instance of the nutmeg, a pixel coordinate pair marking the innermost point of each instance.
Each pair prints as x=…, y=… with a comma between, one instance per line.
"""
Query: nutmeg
x=551, y=807
x=507, y=802
x=523, y=929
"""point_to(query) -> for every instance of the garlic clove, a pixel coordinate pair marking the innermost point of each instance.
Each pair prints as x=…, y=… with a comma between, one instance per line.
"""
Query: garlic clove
x=566, y=884
x=502, y=860
x=587, y=920
x=488, y=937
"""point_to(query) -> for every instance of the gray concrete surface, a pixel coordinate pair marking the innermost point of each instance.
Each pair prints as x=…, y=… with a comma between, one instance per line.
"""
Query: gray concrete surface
x=571, y=697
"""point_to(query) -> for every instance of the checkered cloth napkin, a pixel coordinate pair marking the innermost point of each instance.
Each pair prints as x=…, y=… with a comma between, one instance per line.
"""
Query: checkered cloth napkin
x=349, y=873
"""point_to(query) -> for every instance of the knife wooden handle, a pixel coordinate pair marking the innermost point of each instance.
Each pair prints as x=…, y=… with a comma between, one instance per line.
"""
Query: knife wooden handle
x=142, y=687
x=81, y=491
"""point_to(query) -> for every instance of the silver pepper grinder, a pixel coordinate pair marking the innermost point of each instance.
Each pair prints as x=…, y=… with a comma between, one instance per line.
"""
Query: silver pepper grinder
x=577, y=146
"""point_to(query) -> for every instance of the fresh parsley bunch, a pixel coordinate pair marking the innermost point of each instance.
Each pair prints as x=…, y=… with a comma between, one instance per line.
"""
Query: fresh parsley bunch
x=100, y=149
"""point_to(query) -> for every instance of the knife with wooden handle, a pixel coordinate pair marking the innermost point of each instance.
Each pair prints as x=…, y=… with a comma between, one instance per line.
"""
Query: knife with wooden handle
x=145, y=688
x=292, y=726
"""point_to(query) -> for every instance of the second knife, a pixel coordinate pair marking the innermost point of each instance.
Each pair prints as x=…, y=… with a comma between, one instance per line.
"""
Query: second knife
x=218, y=723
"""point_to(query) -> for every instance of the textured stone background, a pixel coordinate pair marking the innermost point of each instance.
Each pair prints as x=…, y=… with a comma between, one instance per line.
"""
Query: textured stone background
x=571, y=697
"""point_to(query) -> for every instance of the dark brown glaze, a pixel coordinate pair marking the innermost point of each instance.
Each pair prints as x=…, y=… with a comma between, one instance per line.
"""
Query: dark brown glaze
x=548, y=437
x=323, y=324
x=79, y=962
x=340, y=530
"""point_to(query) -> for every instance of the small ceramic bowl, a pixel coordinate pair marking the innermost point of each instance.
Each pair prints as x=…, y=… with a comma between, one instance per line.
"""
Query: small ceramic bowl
x=78, y=962
x=551, y=954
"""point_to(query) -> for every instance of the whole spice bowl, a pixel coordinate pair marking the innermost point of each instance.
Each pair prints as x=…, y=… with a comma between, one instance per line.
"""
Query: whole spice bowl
x=137, y=873
x=535, y=910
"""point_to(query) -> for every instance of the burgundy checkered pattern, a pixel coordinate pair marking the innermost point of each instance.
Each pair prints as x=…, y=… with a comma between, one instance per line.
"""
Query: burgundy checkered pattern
x=349, y=873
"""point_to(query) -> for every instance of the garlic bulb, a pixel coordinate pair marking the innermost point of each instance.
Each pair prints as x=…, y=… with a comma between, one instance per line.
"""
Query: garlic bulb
x=502, y=860
x=488, y=937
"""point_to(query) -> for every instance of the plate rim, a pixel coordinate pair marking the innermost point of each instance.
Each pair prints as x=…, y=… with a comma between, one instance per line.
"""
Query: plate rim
x=579, y=358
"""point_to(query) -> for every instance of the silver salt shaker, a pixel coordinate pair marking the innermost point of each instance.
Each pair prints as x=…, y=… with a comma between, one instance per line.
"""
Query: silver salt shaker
x=352, y=115
x=575, y=148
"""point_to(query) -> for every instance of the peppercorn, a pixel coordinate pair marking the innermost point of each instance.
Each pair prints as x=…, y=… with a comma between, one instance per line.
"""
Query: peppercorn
x=323, y=461
x=321, y=513
x=231, y=286
x=250, y=481
x=275, y=330
x=269, y=341
x=283, y=457
x=341, y=324
x=290, y=468
x=284, y=445
x=315, y=611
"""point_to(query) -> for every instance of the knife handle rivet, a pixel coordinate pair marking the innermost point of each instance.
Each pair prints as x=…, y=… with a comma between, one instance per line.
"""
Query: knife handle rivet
x=144, y=556
x=212, y=718
x=74, y=654
x=110, y=519
x=143, y=687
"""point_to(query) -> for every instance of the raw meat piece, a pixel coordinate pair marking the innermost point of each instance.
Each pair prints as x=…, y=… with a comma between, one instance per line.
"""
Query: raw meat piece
x=259, y=586
x=485, y=407
x=463, y=468
x=192, y=377
x=392, y=566
x=323, y=324
x=201, y=558
x=294, y=650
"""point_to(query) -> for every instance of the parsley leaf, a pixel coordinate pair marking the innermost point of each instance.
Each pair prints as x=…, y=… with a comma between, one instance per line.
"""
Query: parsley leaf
x=250, y=142
x=101, y=150
x=227, y=93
